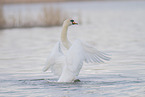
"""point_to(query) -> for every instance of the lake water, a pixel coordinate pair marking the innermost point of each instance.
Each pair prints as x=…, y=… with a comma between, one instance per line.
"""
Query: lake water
x=117, y=28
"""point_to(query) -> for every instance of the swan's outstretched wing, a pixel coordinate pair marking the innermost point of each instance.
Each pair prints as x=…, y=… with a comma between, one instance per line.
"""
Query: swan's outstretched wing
x=91, y=54
x=55, y=60
x=77, y=54
x=80, y=52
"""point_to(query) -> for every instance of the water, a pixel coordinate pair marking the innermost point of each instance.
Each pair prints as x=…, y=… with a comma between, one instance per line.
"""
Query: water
x=116, y=28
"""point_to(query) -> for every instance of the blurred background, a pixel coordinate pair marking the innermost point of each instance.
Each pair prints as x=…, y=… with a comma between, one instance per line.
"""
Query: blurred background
x=39, y=13
x=32, y=13
x=29, y=29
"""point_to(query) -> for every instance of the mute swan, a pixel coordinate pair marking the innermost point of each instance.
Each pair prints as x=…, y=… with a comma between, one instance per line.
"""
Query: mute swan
x=67, y=66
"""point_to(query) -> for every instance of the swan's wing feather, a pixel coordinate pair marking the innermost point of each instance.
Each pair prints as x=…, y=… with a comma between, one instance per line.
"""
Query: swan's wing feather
x=58, y=65
x=75, y=57
x=53, y=58
x=80, y=52
x=91, y=54
x=74, y=61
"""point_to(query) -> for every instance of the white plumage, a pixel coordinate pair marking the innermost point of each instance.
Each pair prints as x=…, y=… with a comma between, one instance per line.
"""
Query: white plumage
x=67, y=66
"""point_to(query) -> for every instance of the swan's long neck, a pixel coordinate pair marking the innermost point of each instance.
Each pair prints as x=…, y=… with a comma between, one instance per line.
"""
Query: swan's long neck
x=64, y=38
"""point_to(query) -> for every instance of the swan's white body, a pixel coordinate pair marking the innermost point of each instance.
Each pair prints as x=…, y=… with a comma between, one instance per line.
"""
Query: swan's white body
x=67, y=66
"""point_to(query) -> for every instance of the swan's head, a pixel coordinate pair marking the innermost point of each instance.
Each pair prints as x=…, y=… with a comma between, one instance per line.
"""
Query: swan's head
x=73, y=22
x=69, y=22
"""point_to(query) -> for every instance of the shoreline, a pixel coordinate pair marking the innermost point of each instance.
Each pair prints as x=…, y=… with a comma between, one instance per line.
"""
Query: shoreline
x=28, y=22
x=55, y=1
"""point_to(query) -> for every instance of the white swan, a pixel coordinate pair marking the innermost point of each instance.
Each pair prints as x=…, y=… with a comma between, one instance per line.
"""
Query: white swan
x=67, y=66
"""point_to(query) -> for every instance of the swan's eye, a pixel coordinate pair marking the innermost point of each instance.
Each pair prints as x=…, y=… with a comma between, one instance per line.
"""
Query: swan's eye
x=72, y=21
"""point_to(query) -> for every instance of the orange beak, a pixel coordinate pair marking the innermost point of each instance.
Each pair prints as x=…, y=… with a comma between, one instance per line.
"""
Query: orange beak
x=74, y=23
